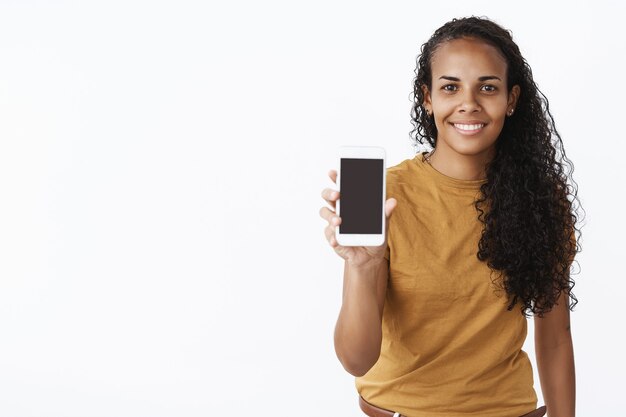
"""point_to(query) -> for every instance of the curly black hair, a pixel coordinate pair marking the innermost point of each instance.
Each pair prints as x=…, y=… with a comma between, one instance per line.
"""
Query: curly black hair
x=526, y=205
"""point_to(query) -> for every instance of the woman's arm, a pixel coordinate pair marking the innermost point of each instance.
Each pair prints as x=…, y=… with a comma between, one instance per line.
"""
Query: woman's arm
x=358, y=333
x=555, y=360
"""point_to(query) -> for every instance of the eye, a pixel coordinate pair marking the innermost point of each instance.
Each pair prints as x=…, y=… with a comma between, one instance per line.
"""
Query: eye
x=489, y=88
x=449, y=87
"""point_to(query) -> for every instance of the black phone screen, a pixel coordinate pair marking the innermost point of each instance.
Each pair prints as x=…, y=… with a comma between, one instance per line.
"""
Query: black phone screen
x=360, y=205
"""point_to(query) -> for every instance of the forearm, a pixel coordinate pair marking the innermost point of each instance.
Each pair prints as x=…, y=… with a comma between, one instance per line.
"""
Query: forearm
x=558, y=379
x=358, y=333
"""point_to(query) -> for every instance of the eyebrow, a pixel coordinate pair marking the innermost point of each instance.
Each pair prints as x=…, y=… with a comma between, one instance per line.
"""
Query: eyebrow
x=483, y=78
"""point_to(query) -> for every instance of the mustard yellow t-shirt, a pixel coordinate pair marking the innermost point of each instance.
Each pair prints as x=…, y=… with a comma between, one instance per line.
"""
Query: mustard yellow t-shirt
x=450, y=348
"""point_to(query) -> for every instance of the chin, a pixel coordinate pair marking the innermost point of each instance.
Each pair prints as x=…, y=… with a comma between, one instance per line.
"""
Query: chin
x=471, y=149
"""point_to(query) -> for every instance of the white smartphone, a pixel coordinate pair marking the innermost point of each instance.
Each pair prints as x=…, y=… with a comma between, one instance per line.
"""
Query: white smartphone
x=361, y=179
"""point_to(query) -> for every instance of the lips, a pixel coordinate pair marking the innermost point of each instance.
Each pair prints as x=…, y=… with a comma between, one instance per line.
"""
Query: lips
x=469, y=128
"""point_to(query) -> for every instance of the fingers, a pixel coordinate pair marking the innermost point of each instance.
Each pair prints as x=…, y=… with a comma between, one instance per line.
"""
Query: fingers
x=333, y=221
x=330, y=216
x=328, y=194
x=329, y=231
x=331, y=196
x=333, y=175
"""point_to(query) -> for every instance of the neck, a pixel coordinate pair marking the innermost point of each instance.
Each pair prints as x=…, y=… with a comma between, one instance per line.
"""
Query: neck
x=460, y=166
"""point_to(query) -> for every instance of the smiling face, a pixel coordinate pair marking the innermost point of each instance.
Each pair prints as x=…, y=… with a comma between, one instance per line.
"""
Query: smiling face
x=468, y=97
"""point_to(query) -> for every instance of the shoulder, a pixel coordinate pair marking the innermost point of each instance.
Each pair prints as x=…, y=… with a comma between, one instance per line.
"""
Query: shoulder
x=402, y=180
x=402, y=169
x=403, y=173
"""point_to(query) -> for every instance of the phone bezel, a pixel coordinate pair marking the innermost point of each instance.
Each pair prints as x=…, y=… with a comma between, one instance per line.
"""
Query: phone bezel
x=361, y=152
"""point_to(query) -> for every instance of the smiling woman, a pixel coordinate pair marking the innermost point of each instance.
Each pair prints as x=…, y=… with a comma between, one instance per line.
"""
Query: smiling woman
x=482, y=235
x=469, y=100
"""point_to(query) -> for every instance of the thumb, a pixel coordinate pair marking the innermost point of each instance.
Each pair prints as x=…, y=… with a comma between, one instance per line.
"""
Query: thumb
x=390, y=205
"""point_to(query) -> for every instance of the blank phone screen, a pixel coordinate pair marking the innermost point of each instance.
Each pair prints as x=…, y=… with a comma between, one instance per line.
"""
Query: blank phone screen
x=360, y=204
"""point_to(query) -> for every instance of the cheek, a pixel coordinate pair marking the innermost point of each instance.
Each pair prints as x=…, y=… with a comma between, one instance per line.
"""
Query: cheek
x=497, y=124
x=497, y=112
x=439, y=121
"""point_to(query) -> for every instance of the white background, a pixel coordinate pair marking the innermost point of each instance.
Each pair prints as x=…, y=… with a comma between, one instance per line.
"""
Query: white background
x=161, y=165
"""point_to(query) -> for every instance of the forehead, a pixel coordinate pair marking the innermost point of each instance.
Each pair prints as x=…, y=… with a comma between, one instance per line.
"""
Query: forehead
x=467, y=58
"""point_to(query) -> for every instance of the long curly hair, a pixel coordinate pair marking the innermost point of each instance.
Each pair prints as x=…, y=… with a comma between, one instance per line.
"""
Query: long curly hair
x=526, y=205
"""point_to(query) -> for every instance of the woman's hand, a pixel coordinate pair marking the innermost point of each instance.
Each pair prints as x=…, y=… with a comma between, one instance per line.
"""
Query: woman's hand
x=356, y=256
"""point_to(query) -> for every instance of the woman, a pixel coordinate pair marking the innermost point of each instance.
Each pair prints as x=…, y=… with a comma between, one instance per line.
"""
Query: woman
x=482, y=235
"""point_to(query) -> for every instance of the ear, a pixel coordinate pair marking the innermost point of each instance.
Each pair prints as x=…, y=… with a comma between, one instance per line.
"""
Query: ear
x=427, y=103
x=513, y=97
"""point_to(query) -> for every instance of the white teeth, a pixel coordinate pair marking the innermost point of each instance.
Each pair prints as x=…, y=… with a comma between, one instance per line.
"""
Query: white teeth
x=468, y=127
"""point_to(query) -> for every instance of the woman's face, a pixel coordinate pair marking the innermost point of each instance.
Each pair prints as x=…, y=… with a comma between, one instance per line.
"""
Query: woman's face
x=469, y=98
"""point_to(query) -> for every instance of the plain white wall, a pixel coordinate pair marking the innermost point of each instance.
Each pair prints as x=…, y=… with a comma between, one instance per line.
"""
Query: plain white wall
x=161, y=165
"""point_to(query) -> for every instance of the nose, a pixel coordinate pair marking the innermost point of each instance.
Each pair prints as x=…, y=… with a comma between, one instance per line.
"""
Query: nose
x=468, y=103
